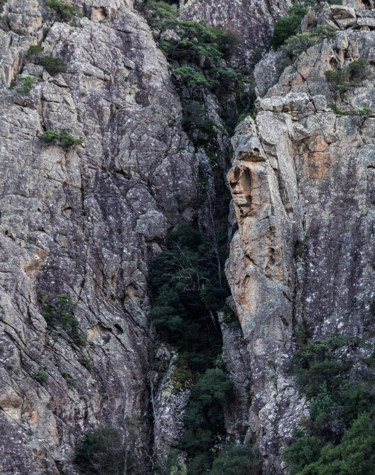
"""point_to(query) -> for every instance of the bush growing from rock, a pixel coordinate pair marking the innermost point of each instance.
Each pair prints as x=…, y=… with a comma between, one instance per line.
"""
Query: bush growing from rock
x=63, y=139
x=204, y=418
x=41, y=377
x=53, y=65
x=34, y=50
x=338, y=401
x=101, y=452
x=64, y=10
x=59, y=312
x=26, y=84
x=349, y=76
x=289, y=25
x=191, y=77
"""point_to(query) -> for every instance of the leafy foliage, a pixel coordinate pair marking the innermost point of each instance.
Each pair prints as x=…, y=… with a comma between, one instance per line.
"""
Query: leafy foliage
x=354, y=455
x=59, y=313
x=316, y=364
x=26, y=84
x=64, y=10
x=101, y=452
x=34, y=50
x=349, y=76
x=187, y=292
x=53, y=65
x=304, y=451
x=365, y=112
x=41, y=377
x=204, y=418
x=235, y=460
x=289, y=25
x=199, y=55
x=338, y=402
x=60, y=138
x=190, y=76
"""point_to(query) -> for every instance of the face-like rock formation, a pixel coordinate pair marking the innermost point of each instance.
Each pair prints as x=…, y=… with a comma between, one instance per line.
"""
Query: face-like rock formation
x=302, y=184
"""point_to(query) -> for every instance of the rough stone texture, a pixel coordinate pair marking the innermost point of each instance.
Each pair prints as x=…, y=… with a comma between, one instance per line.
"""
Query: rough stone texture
x=302, y=183
x=252, y=20
x=172, y=391
x=84, y=223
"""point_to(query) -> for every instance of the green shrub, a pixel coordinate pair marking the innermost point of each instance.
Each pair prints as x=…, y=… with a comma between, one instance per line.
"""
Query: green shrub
x=64, y=10
x=26, y=84
x=316, y=364
x=349, y=76
x=34, y=50
x=338, y=399
x=2, y=3
x=289, y=25
x=62, y=139
x=297, y=44
x=53, y=65
x=41, y=377
x=365, y=112
x=187, y=292
x=59, y=312
x=204, y=418
x=191, y=77
x=67, y=376
x=101, y=452
x=235, y=460
x=354, y=455
x=199, y=42
x=304, y=451
x=161, y=16
x=86, y=362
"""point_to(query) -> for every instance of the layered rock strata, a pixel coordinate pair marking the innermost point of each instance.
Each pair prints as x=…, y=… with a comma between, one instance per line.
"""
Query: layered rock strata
x=302, y=183
x=83, y=222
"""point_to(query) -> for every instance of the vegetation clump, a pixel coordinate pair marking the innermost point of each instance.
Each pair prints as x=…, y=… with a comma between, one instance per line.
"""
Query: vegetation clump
x=102, y=452
x=59, y=313
x=289, y=25
x=64, y=10
x=41, y=377
x=187, y=295
x=365, y=112
x=349, y=76
x=342, y=408
x=204, y=418
x=26, y=84
x=62, y=139
x=199, y=58
x=235, y=460
x=34, y=50
x=53, y=65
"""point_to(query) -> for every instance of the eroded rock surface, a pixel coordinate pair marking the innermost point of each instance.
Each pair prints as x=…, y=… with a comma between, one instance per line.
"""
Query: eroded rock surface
x=252, y=20
x=83, y=222
x=302, y=184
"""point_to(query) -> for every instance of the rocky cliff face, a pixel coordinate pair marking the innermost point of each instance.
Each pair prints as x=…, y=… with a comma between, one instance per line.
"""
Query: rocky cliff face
x=252, y=20
x=83, y=222
x=302, y=185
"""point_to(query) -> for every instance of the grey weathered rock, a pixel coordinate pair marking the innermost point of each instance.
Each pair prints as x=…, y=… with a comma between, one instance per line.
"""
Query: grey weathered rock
x=302, y=186
x=84, y=222
x=252, y=20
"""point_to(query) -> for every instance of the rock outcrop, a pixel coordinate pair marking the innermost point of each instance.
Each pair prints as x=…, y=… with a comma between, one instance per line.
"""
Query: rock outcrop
x=83, y=222
x=302, y=185
x=252, y=20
